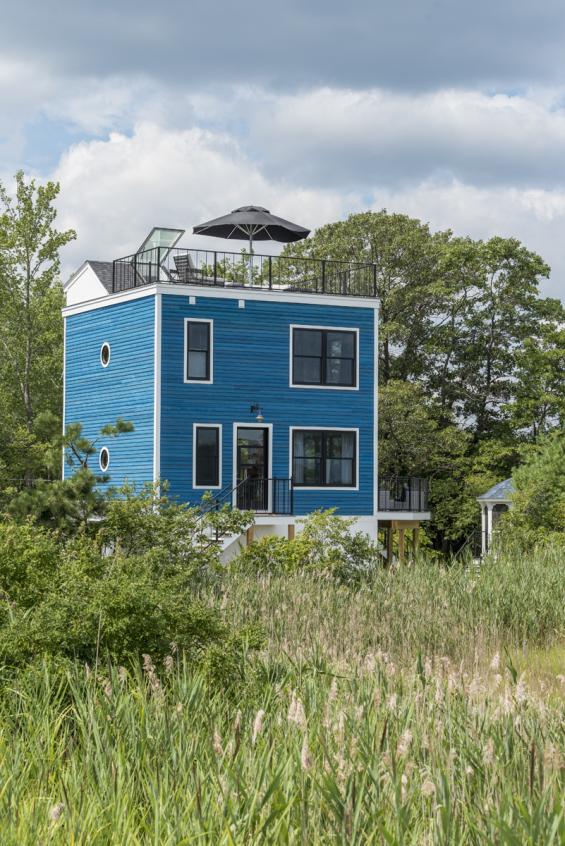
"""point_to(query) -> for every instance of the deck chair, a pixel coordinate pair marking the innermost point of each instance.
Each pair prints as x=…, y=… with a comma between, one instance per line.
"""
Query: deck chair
x=186, y=271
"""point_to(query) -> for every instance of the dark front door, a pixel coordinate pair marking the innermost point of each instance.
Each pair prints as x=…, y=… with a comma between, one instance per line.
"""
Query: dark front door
x=252, y=468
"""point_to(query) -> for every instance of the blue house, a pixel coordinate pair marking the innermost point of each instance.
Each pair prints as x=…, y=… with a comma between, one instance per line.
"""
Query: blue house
x=251, y=377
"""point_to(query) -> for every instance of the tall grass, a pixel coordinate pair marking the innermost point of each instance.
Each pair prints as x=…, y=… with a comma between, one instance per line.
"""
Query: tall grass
x=463, y=611
x=432, y=756
x=389, y=714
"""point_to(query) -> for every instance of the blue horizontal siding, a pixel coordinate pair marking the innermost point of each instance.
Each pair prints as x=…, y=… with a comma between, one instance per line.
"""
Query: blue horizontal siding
x=251, y=365
x=95, y=396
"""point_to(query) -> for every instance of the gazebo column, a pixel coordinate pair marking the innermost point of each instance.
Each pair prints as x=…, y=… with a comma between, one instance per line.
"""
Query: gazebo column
x=489, y=526
x=483, y=529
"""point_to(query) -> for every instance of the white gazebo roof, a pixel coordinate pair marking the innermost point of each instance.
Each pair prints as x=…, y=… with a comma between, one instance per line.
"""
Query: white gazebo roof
x=501, y=492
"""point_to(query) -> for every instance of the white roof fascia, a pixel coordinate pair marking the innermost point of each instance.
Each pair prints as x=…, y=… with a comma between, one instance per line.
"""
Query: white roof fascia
x=202, y=291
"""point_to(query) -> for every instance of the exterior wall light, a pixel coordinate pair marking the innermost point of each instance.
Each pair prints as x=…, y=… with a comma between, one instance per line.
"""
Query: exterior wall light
x=256, y=409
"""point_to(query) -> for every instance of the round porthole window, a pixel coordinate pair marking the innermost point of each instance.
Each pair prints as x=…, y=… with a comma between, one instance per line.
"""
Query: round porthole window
x=105, y=354
x=104, y=459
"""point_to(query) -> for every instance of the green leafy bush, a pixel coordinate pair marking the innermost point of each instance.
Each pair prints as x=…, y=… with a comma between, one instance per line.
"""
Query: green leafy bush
x=327, y=543
x=125, y=587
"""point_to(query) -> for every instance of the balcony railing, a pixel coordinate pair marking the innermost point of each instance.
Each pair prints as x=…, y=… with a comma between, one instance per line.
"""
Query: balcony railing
x=241, y=270
x=403, y=493
x=276, y=495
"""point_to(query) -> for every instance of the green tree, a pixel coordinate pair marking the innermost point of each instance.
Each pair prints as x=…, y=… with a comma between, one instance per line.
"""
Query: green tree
x=31, y=327
x=72, y=503
x=413, y=438
x=538, y=404
x=493, y=309
x=409, y=285
x=537, y=515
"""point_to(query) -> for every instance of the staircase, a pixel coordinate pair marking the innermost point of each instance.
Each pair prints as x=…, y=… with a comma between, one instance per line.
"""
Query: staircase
x=264, y=496
x=212, y=535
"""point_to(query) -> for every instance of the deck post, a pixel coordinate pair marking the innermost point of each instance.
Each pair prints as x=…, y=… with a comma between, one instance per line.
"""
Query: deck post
x=389, y=539
x=250, y=535
x=416, y=541
x=291, y=531
x=401, y=545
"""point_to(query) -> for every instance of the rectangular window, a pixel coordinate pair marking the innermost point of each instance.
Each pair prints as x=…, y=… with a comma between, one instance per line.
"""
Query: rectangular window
x=324, y=458
x=324, y=357
x=198, y=344
x=207, y=456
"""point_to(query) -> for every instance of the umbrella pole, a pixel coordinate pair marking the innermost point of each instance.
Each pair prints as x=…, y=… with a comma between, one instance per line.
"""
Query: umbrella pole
x=250, y=257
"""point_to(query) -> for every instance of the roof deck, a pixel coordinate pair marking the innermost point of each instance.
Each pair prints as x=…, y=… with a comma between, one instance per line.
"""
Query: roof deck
x=176, y=265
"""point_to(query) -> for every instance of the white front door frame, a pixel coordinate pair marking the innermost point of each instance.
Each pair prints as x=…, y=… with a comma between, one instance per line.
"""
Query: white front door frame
x=244, y=425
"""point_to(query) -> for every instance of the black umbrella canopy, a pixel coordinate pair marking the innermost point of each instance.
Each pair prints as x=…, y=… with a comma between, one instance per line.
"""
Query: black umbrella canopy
x=254, y=223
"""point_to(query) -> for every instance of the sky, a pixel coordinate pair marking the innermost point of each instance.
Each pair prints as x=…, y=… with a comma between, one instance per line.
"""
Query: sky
x=171, y=113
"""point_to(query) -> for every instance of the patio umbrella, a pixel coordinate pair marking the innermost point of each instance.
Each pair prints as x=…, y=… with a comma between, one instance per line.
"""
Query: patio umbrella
x=254, y=223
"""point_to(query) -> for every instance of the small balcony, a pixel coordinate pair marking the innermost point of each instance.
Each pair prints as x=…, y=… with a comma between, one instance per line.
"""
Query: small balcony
x=178, y=266
x=404, y=494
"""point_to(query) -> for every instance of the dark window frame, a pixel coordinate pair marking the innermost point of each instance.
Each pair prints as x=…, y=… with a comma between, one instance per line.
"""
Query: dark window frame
x=327, y=433
x=216, y=427
x=323, y=358
x=207, y=378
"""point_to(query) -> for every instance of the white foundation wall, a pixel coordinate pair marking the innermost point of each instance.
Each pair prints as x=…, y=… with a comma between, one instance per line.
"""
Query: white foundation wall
x=279, y=527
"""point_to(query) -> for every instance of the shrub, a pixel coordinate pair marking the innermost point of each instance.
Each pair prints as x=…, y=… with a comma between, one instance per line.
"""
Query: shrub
x=125, y=587
x=333, y=546
x=327, y=543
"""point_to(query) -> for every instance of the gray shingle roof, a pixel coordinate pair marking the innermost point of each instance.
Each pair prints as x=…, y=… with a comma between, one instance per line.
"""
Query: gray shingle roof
x=103, y=269
x=502, y=490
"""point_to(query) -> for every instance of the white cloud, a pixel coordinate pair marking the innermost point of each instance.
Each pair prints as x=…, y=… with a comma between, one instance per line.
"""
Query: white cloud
x=114, y=191
x=389, y=137
x=536, y=217
x=23, y=89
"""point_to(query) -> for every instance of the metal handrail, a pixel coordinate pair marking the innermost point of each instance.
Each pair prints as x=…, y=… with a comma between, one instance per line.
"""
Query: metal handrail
x=241, y=270
x=472, y=544
x=276, y=491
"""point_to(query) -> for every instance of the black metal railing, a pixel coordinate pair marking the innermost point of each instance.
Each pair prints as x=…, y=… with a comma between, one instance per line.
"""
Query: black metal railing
x=273, y=496
x=403, y=493
x=241, y=270
x=472, y=546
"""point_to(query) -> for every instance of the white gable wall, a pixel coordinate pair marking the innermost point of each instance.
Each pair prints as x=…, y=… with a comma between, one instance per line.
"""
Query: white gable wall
x=84, y=285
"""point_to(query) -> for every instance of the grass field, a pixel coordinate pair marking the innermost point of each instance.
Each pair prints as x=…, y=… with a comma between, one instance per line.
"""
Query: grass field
x=426, y=706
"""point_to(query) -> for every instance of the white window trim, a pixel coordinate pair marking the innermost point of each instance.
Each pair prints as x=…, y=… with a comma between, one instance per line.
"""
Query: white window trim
x=188, y=381
x=196, y=426
x=298, y=488
x=245, y=425
x=102, y=345
x=100, y=451
x=355, y=329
